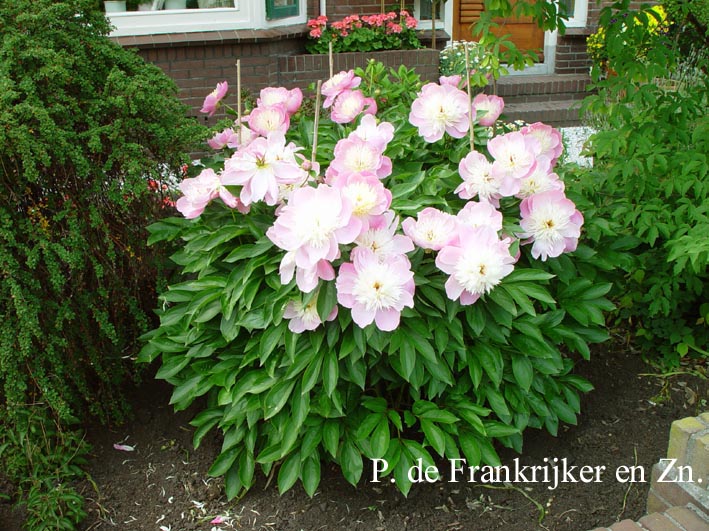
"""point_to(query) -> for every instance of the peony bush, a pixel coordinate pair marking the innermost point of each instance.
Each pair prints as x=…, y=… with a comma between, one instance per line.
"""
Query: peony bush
x=400, y=279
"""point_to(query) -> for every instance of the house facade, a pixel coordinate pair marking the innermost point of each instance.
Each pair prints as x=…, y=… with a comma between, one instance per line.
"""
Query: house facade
x=198, y=45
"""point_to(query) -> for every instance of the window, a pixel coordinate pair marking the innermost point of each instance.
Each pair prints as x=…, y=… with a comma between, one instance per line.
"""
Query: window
x=577, y=11
x=281, y=8
x=207, y=15
x=425, y=9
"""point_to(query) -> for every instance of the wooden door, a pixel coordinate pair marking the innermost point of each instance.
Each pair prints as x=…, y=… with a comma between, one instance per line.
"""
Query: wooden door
x=524, y=33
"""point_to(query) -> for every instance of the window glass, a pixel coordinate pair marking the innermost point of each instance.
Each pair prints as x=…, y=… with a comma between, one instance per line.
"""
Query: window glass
x=281, y=8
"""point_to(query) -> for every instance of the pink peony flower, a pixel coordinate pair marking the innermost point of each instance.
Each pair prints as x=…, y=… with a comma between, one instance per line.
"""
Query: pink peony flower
x=222, y=139
x=354, y=155
x=199, y=191
x=378, y=135
x=479, y=180
x=211, y=102
x=367, y=195
x=432, y=228
x=265, y=120
x=247, y=136
x=476, y=264
x=261, y=167
x=290, y=99
x=549, y=139
x=453, y=81
x=305, y=317
x=381, y=238
x=350, y=104
x=440, y=109
x=552, y=222
x=514, y=154
x=376, y=291
x=306, y=278
x=540, y=180
x=475, y=214
x=490, y=107
x=337, y=84
x=313, y=224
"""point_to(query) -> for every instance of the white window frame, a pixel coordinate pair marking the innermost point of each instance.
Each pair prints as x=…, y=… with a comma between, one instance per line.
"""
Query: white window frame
x=579, y=17
x=445, y=24
x=246, y=14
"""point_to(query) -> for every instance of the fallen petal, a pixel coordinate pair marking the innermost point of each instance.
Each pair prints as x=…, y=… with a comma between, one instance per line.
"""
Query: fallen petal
x=123, y=447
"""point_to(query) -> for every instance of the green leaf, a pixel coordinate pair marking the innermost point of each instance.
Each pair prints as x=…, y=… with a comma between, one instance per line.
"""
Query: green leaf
x=497, y=403
x=270, y=339
x=247, y=467
x=434, y=436
x=331, y=436
x=379, y=441
x=331, y=372
x=475, y=315
x=312, y=373
x=277, y=398
x=249, y=250
x=232, y=483
x=171, y=367
x=491, y=361
x=440, y=416
x=523, y=371
x=289, y=472
x=327, y=299
x=351, y=463
x=310, y=474
x=224, y=462
x=563, y=411
x=407, y=357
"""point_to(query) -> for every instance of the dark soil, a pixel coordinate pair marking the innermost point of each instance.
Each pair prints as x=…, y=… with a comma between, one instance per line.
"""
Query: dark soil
x=163, y=484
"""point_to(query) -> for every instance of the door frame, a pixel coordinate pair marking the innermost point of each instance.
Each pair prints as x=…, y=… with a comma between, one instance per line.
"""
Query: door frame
x=550, y=40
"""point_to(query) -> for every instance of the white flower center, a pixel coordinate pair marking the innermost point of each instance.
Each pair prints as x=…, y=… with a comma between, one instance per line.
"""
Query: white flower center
x=360, y=158
x=480, y=271
x=374, y=289
x=548, y=225
x=363, y=198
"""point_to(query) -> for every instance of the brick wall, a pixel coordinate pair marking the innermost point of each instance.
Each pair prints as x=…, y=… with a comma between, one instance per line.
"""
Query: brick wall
x=301, y=70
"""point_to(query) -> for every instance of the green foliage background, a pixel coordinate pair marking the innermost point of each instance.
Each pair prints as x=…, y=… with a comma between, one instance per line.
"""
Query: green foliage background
x=649, y=187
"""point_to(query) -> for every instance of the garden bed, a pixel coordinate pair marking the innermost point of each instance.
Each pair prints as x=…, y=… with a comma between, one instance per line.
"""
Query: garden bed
x=164, y=481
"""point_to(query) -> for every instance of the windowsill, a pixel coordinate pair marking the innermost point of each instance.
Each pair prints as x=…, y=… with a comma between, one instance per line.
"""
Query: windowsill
x=578, y=31
x=198, y=38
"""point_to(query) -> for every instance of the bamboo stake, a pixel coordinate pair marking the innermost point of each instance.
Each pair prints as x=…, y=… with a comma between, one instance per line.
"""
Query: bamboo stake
x=382, y=7
x=238, y=100
x=316, y=124
x=470, y=97
x=331, y=60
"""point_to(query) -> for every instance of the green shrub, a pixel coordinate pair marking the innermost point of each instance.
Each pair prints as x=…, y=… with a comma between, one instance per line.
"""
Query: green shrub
x=86, y=128
x=84, y=125
x=650, y=182
x=450, y=381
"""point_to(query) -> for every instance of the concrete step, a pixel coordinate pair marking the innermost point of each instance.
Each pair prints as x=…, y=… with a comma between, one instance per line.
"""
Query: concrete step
x=521, y=88
x=557, y=113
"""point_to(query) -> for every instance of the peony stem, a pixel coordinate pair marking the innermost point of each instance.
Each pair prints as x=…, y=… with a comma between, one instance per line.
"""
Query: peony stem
x=470, y=97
